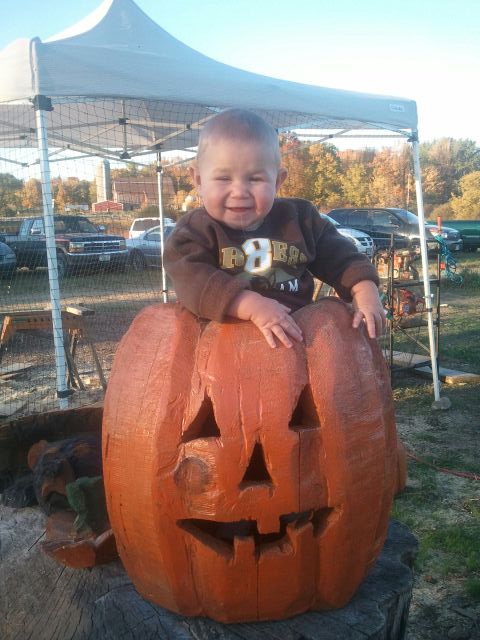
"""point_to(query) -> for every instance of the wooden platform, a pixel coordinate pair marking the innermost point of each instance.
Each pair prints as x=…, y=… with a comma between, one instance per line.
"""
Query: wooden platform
x=449, y=376
x=43, y=600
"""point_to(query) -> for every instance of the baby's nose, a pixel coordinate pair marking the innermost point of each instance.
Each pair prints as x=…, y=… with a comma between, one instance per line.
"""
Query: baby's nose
x=239, y=188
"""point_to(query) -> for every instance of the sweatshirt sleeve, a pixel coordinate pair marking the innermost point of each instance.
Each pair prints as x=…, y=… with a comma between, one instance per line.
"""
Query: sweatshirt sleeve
x=338, y=262
x=191, y=262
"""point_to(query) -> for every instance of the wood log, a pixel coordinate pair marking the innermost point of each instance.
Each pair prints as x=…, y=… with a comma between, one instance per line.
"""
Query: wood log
x=17, y=436
x=43, y=600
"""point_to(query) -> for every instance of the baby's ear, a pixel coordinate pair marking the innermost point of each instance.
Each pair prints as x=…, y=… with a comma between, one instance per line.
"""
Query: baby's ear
x=281, y=177
x=194, y=175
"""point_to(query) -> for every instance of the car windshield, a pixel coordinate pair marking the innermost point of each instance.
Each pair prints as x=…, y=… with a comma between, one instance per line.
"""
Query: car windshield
x=154, y=232
x=407, y=216
x=142, y=224
x=334, y=222
x=75, y=225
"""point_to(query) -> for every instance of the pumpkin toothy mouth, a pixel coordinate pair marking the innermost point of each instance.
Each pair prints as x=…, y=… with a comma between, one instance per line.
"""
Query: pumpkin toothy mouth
x=223, y=534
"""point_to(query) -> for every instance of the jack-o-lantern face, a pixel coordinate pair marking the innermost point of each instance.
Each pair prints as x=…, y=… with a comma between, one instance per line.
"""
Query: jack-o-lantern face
x=245, y=482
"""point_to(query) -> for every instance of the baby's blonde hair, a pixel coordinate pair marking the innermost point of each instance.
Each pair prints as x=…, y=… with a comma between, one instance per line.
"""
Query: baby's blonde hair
x=239, y=124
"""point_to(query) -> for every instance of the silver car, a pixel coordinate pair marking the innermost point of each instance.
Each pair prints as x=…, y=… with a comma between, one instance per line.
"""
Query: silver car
x=360, y=239
x=144, y=250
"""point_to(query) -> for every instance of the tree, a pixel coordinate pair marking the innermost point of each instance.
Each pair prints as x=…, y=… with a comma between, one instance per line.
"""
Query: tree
x=433, y=184
x=32, y=194
x=76, y=191
x=179, y=172
x=129, y=171
x=389, y=183
x=297, y=161
x=58, y=193
x=452, y=159
x=92, y=191
x=327, y=188
x=10, y=190
x=443, y=211
x=356, y=185
x=467, y=204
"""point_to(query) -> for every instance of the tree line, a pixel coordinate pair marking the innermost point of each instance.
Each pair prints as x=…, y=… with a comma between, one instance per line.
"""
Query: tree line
x=318, y=172
x=385, y=178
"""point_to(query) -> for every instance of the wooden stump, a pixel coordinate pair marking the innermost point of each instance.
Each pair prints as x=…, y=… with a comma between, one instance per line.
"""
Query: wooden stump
x=43, y=600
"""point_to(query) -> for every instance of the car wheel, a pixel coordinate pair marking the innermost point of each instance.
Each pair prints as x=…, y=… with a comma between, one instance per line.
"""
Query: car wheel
x=62, y=266
x=137, y=261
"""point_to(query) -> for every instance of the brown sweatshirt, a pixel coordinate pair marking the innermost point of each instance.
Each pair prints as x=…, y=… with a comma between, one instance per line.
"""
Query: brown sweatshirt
x=210, y=263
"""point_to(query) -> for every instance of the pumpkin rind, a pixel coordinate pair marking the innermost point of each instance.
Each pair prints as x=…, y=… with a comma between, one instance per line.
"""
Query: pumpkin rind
x=245, y=483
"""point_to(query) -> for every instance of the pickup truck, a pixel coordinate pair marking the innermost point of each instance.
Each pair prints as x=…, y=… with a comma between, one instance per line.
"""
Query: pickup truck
x=469, y=231
x=383, y=223
x=80, y=245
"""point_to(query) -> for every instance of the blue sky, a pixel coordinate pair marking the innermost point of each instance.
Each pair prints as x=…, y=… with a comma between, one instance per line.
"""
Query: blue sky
x=427, y=50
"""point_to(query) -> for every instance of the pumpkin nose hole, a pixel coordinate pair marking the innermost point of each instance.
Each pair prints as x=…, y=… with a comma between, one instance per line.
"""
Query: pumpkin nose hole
x=203, y=425
x=257, y=472
x=305, y=415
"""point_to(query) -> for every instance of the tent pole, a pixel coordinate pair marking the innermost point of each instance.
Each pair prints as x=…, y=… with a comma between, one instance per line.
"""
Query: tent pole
x=43, y=104
x=161, y=221
x=439, y=403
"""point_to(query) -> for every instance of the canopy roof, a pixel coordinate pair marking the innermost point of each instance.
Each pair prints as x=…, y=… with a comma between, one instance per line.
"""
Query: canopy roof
x=157, y=90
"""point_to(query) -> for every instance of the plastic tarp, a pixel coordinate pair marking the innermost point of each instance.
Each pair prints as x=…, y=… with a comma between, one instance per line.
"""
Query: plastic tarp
x=119, y=54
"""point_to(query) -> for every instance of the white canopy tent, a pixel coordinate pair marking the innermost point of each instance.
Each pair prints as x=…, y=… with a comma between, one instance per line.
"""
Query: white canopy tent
x=158, y=93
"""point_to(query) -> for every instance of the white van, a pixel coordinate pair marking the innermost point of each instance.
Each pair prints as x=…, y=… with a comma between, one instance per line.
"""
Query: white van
x=139, y=225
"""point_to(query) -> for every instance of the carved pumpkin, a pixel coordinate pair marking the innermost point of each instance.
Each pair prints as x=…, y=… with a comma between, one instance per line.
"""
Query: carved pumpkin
x=244, y=482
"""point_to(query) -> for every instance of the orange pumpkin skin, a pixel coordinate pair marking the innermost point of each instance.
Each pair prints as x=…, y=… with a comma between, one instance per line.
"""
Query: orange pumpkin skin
x=243, y=482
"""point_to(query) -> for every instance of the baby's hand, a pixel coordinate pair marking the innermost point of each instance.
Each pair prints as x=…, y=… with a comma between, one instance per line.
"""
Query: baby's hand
x=367, y=307
x=271, y=317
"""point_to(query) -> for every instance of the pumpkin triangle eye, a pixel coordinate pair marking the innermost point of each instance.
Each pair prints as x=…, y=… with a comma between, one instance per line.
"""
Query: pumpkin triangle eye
x=257, y=471
x=203, y=425
x=305, y=415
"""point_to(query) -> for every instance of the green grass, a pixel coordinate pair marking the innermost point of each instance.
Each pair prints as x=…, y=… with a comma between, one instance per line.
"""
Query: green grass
x=441, y=508
x=453, y=549
x=472, y=588
x=459, y=324
x=470, y=279
x=468, y=268
x=446, y=549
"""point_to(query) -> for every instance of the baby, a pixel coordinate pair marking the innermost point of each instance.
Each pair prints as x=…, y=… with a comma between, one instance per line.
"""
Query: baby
x=249, y=255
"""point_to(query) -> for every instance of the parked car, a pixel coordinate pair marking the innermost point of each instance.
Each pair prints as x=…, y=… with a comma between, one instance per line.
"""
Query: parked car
x=80, y=245
x=451, y=236
x=8, y=261
x=469, y=231
x=360, y=239
x=144, y=250
x=139, y=225
x=381, y=223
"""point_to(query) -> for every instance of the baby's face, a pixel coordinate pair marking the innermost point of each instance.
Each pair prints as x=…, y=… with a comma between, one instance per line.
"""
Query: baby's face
x=237, y=181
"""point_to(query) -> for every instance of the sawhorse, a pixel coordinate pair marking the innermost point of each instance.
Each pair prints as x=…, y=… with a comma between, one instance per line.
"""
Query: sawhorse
x=74, y=327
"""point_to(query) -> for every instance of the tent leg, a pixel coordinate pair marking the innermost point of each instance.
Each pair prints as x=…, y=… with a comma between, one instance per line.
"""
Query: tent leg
x=439, y=402
x=161, y=221
x=43, y=104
